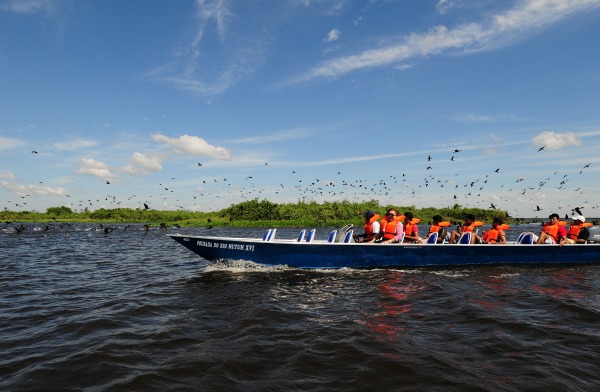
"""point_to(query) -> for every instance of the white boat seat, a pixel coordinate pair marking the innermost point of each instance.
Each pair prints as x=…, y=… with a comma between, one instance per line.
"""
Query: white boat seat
x=267, y=235
x=311, y=235
x=332, y=236
x=272, y=235
x=301, y=235
x=525, y=238
x=432, y=239
x=465, y=239
x=349, y=237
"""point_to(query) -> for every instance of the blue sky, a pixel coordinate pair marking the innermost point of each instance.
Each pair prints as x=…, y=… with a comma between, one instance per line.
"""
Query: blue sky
x=196, y=105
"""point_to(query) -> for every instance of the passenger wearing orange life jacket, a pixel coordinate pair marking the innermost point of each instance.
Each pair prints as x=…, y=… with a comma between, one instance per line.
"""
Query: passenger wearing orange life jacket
x=467, y=227
x=495, y=235
x=578, y=233
x=552, y=232
x=439, y=228
x=372, y=227
x=411, y=231
x=392, y=229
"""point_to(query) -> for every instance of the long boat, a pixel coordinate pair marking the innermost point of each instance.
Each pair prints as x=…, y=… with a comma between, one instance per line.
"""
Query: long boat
x=331, y=254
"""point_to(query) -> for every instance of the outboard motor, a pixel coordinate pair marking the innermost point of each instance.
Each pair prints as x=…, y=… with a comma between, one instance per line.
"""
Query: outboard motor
x=594, y=235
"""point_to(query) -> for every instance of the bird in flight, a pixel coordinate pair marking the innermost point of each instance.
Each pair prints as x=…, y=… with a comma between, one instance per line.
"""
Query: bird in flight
x=541, y=148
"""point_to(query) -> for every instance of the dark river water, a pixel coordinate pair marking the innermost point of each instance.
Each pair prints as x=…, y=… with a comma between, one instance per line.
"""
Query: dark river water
x=129, y=310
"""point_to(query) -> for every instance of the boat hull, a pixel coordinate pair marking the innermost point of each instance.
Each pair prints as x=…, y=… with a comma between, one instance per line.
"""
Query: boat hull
x=354, y=255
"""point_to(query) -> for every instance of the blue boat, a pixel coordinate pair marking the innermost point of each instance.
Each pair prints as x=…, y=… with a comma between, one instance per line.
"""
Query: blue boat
x=338, y=252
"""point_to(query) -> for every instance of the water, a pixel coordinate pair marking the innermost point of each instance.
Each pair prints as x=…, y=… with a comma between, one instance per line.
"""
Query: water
x=81, y=310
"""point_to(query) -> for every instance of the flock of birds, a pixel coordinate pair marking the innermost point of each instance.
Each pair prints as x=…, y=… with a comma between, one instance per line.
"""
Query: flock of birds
x=455, y=189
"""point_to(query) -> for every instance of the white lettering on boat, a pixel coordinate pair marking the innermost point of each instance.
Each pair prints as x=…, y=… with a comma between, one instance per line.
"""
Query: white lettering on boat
x=226, y=245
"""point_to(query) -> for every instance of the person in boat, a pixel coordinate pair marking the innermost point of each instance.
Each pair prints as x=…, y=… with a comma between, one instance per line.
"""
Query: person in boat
x=411, y=231
x=552, y=232
x=578, y=233
x=392, y=229
x=437, y=227
x=495, y=235
x=467, y=227
x=372, y=227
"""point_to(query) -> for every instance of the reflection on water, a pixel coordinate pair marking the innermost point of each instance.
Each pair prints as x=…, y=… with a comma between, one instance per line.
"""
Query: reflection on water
x=133, y=310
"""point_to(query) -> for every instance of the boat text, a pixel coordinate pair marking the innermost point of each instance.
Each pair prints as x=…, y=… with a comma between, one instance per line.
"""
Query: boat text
x=226, y=245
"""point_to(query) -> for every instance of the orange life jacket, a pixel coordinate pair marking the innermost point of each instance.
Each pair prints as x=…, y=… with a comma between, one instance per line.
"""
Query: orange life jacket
x=492, y=235
x=408, y=228
x=369, y=227
x=468, y=229
x=389, y=228
x=434, y=229
x=574, y=231
x=551, y=230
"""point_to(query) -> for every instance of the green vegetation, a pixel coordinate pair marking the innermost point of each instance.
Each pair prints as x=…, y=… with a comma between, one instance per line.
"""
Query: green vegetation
x=252, y=213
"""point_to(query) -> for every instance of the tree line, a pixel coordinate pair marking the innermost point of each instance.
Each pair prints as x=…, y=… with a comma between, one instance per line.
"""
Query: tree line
x=254, y=213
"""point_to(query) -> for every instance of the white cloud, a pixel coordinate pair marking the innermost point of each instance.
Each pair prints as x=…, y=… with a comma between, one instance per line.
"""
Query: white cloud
x=95, y=168
x=443, y=6
x=25, y=6
x=150, y=162
x=501, y=29
x=214, y=72
x=24, y=190
x=555, y=141
x=8, y=143
x=192, y=145
x=8, y=175
x=75, y=144
x=297, y=133
x=143, y=164
x=333, y=35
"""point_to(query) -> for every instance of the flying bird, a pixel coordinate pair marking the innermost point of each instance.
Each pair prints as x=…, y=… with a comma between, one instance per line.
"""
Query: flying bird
x=541, y=148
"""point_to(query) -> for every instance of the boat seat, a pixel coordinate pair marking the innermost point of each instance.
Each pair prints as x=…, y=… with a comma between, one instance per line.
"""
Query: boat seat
x=402, y=238
x=332, y=236
x=349, y=237
x=525, y=238
x=267, y=235
x=465, y=239
x=432, y=239
x=301, y=235
x=311, y=235
x=271, y=234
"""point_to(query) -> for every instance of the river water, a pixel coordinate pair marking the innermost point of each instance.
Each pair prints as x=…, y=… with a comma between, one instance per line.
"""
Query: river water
x=130, y=310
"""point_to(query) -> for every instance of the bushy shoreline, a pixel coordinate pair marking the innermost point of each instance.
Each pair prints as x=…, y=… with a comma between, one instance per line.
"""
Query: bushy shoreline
x=252, y=213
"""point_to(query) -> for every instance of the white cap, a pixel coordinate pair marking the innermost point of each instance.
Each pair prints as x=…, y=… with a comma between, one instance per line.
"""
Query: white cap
x=578, y=217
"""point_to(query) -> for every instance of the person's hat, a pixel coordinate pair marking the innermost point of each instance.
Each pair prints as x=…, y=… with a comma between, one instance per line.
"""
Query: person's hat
x=369, y=213
x=578, y=217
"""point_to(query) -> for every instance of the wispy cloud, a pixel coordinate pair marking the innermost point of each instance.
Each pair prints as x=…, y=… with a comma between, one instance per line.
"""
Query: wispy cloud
x=75, y=144
x=25, y=6
x=206, y=74
x=500, y=29
x=8, y=175
x=292, y=134
x=7, y=143
x=24, y=190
